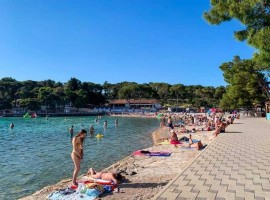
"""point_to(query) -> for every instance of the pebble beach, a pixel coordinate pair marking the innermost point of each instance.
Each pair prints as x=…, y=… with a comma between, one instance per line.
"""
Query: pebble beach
x=145, y=175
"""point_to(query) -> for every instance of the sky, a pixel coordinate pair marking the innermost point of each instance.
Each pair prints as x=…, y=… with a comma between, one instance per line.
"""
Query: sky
x=95, y=41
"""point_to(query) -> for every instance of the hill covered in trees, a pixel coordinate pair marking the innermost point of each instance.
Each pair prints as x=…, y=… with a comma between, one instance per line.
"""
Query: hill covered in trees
x=34, y=95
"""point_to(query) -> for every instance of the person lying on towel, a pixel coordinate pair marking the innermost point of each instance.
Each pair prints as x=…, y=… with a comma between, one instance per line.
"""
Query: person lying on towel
x=115, y=177
x=195, y=143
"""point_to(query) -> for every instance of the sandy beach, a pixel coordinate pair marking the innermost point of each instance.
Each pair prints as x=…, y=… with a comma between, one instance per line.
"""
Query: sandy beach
x=145, y=175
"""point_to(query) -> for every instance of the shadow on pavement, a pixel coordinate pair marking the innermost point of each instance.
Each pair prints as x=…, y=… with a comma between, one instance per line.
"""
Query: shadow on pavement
x=140, y=185
x=233, y=132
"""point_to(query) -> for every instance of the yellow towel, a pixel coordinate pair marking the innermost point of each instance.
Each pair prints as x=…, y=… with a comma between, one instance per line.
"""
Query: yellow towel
x=165, y=142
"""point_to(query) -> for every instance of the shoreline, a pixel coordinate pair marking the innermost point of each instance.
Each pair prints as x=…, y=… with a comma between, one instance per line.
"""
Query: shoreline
x=146, y=175
x=74, y=114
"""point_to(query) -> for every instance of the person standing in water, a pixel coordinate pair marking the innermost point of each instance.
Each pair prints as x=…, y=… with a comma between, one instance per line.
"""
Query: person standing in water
x=11, y=126
x=91, y=130
x=71, y=131
x=116, y=122
x=105, y=124
x=77, y=154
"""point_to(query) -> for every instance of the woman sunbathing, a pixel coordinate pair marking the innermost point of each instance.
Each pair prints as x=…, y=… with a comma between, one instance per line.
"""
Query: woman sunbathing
x=174, y=138
x=115, y=177
x=195, y=143
x=174, y=135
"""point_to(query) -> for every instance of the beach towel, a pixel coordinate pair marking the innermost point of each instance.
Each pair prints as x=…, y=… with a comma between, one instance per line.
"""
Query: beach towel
x=107, y=186
x=165, y=142
x=94, y=193
x=151, y=153
x=82, y=192
x=175, y=142
x=75, y=196
x=67, y=191
x=99, y=181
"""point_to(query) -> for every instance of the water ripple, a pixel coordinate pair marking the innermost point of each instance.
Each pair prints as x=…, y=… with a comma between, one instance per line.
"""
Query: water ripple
x=36, y=153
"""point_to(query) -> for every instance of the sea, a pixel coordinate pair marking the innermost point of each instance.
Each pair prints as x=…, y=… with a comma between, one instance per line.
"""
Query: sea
x=36, y=152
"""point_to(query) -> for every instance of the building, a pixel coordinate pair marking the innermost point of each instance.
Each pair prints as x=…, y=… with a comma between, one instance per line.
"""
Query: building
x=135, y=103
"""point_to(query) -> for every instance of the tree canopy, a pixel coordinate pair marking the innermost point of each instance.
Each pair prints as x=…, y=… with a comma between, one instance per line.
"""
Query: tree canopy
x=254, y=15
x=248, y=79
x=53, y=96
x=245, y=87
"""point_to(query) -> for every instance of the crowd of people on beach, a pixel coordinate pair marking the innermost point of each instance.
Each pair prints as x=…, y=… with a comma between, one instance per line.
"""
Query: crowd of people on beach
x=177, y=125
x=181, y=128
x=186, y=123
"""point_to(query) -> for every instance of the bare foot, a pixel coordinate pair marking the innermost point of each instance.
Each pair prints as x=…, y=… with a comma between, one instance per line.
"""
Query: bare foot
x=75, y=183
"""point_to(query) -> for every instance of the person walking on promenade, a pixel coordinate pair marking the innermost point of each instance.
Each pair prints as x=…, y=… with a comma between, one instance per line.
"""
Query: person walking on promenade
x=77, y=153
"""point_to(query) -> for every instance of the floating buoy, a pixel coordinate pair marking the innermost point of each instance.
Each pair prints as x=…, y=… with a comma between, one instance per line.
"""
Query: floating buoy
x=99, y=135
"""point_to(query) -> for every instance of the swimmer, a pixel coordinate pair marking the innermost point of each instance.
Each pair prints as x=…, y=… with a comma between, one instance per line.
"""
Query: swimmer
x=11, y=126
x=91, y=130
x=71, y=131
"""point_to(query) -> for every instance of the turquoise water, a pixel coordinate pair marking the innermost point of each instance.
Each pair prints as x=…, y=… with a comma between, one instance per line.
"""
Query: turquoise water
x=36, y=153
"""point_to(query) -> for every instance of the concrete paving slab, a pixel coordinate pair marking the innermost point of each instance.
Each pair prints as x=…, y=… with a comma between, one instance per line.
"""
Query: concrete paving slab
x=235, y=166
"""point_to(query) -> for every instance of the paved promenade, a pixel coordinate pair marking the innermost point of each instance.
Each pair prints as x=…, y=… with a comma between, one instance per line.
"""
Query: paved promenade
x=235, y=166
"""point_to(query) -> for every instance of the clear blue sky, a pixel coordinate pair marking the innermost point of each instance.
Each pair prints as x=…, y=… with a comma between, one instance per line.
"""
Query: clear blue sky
x=115, y=40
